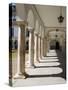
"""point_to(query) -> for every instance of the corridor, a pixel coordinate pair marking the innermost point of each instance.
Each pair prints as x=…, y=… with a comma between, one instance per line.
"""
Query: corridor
x=37, y=45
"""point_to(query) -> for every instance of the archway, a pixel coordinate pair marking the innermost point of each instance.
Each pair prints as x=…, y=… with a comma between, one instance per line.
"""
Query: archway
x=57, y=45
x=30, y=19
x=53, y=44
x=30, y=39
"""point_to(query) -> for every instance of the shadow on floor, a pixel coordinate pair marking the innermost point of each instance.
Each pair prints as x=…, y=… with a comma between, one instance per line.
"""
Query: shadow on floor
x=39, y=76
x=62, y=59
x=44, y=66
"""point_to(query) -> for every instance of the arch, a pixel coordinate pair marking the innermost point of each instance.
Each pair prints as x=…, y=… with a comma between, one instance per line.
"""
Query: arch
x=51, y=30
x=37, y=27
x=60, y=33
x=52, y=44
x=30, y=19
x=39, y=31
x=43, y=32
x=55, y=44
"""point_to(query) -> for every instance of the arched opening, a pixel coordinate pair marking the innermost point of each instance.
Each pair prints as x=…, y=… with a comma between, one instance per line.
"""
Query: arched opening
x=29, y=39
x=54, y=45
x=57, y=45
x=36, y=27
x=30, y=19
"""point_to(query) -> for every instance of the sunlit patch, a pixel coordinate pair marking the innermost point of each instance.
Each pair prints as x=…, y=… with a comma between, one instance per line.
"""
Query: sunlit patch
x=44, y=71
x=48, y=64
x=51, y=54
x=52, y=57
x=52, y=51
x=39, y=81
x=49, y=60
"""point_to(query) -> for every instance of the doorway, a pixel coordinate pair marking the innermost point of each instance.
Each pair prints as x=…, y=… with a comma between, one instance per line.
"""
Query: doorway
x=57, y=45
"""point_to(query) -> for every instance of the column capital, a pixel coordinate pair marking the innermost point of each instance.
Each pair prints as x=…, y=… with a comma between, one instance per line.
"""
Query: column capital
x=39, y=36
x=19, y=23
x=30, y=29
x=35, y=34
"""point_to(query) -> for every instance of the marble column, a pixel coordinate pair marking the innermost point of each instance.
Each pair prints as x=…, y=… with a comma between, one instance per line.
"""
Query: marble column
x=36, y=48
x=39, y=47
x=31, y=48
x=45, y=46
x=21, y=53
x=48, y=45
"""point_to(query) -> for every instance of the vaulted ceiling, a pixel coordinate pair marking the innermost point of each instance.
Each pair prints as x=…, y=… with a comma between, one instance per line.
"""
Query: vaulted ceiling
x=49, y=15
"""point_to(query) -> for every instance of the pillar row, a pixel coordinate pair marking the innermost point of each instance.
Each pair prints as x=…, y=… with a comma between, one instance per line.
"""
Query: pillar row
x=48, y=45
x=39, y=47
x=36, y=59
x=31, y=48
x=45, y=46
x=21, y=53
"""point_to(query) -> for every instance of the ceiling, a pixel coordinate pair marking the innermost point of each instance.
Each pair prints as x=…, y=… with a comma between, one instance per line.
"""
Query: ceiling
x=49, y=15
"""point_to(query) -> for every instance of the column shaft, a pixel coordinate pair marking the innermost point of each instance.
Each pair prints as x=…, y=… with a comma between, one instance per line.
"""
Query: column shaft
x=36, y=48
x=45, y=47
x=31, y=49
x=39, y=47
x=21, y=53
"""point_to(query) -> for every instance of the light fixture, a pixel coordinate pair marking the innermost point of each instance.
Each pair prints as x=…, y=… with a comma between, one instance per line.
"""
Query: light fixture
x=57, y=30
x=56, y=36
x=60, y=18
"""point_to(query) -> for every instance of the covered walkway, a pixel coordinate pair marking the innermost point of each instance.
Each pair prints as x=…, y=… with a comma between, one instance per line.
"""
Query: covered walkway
x=41, y=57
x=49, y=71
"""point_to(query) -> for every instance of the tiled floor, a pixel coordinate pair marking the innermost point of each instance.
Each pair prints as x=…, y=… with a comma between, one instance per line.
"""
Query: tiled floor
x=48, y=71
x=38, y=81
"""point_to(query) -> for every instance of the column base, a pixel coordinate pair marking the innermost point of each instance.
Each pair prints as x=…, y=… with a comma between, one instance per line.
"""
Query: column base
x=44, y=55
x=20, y=76
x=31, y=66
x=36, y=61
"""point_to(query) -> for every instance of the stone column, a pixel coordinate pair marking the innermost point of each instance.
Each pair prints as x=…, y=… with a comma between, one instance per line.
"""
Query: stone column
x=31, y=48
x=36, y=48
x=21, y=53
x=48, y=45
x=39, y=47
x=44, y=48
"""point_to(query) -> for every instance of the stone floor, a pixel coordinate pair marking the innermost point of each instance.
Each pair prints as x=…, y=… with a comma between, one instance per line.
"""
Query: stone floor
x=38, y=81
x=50, y=70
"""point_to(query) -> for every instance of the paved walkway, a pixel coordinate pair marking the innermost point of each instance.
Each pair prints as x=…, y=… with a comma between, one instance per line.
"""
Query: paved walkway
x=48, y=71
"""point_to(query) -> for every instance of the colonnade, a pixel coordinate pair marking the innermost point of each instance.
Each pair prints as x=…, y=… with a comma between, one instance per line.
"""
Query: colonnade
x=38, y=42
x=37, y=49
